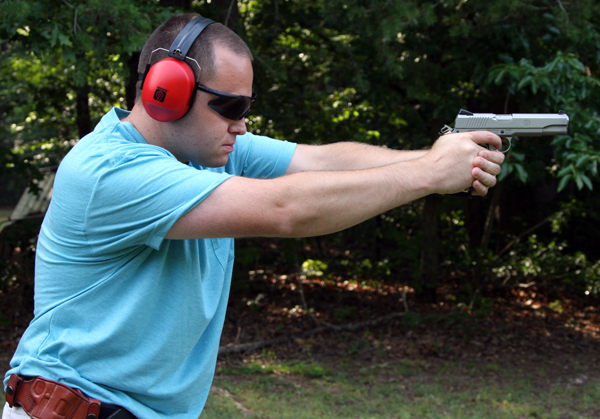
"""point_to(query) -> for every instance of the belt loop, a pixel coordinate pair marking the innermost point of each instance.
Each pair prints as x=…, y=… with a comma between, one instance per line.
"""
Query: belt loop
x=93, y=411
x=12, y=388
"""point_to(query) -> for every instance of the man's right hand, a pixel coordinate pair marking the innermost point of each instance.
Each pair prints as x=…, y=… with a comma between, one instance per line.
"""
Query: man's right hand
x=460, y=162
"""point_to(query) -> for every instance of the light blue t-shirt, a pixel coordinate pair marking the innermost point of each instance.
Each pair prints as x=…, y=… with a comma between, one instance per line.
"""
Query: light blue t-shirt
x=122, y=313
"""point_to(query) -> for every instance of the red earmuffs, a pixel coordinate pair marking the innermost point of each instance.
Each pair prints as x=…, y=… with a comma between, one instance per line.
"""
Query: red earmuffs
x=169, y=86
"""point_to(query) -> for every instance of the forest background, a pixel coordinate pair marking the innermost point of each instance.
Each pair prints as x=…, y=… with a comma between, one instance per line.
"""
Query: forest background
x=383, y=72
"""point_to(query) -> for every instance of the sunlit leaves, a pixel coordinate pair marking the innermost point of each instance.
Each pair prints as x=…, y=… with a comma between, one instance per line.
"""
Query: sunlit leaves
x=566, y=83
x=51, y=51
x=375, y=71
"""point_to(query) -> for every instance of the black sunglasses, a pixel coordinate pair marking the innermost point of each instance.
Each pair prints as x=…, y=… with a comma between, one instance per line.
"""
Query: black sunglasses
x=229, y=106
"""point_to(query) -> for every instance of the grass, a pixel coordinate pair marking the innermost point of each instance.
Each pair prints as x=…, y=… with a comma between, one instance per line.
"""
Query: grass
x=399, y=390
x=408, y=389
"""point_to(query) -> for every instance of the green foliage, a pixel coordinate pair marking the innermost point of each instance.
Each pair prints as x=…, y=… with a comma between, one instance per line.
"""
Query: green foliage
x=366, y=268
x=394, y=75
x=59, y=58
x=549, y=264
x=469, y=301
x=567, y=84
x=331, y=71
x=314, y=268
x=372, y=71
x=557, y=306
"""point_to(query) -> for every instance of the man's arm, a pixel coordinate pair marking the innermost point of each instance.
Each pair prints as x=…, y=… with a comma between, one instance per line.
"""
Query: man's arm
x=353, y=156
x=347, y=156
x=309, y=203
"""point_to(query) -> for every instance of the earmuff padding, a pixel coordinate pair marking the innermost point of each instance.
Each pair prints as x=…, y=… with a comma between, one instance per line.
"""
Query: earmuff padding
x=169, y=89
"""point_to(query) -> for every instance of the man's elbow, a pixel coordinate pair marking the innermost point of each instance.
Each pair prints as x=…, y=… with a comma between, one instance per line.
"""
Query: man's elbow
x=290, y=222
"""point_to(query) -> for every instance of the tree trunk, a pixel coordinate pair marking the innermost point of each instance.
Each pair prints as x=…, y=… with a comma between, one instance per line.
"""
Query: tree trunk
x=426, y=289
x=227, y=12
x=492, y=213
x=474, y=221
x=130, y=88
x=84, y=121
x=182, y=4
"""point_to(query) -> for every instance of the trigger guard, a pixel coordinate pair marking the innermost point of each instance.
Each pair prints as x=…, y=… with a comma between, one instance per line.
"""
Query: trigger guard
x=502, y=151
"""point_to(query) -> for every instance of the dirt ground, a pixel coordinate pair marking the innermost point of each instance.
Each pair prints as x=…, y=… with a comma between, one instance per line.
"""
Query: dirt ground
x=519, y=329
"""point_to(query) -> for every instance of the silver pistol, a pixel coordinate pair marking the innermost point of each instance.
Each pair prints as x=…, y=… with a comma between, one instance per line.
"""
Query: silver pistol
x=511, y=125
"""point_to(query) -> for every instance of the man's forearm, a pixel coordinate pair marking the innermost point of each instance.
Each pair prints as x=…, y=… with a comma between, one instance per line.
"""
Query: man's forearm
x=306, y=203
x=347, y=156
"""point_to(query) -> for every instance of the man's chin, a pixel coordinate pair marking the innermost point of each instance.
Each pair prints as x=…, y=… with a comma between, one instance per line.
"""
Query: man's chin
x=217, y=162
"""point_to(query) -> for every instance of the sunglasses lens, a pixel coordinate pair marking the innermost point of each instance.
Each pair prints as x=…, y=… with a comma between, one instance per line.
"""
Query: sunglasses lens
x=235, y=109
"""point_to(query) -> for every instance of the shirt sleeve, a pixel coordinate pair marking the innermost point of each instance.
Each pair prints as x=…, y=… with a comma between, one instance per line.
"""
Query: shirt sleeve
x=260, y=157
x=139, y=198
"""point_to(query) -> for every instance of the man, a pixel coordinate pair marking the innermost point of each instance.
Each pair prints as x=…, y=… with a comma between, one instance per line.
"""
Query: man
x=135, y=255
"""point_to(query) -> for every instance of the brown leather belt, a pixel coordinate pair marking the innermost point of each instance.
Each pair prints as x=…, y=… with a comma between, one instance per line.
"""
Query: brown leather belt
x=46, y=399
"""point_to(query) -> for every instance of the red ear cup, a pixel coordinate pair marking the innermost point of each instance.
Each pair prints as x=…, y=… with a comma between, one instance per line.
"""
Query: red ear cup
x=168, y=90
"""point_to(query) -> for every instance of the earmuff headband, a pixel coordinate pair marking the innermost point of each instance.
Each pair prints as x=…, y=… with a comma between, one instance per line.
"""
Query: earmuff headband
x=182, y=44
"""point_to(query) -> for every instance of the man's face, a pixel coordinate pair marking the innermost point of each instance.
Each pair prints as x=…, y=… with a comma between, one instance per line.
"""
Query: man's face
x=204, y=136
